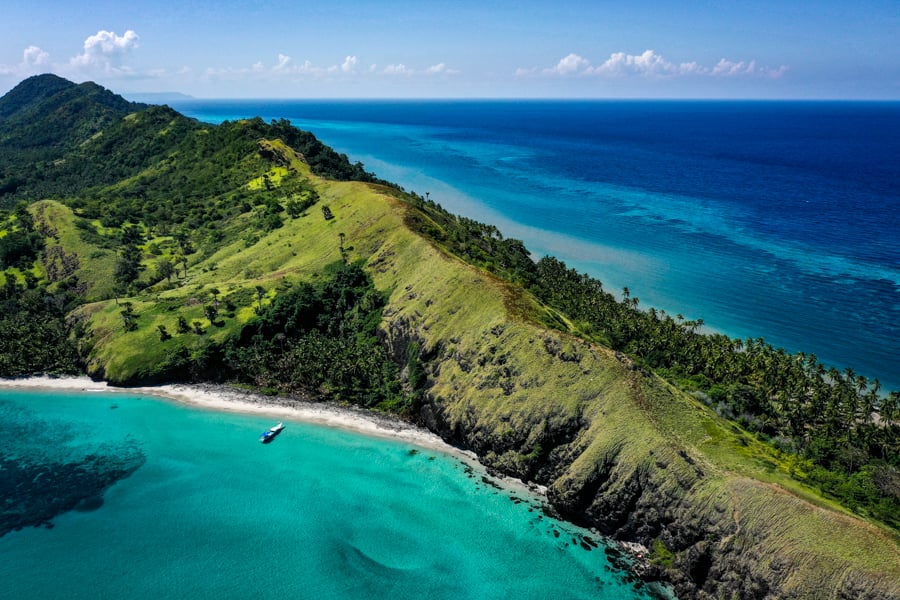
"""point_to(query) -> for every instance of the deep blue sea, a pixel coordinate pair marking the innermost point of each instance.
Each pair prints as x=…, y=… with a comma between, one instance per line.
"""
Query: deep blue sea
x=778, y=220
x=122, y=496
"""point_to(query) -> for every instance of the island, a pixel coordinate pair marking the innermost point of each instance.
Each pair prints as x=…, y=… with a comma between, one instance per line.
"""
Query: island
x=141, y=247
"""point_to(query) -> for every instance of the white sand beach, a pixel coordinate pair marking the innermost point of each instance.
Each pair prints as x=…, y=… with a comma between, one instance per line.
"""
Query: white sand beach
x=231, y=399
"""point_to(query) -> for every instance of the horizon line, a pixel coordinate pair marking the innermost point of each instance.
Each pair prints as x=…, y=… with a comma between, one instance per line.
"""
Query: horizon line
x=188, y=97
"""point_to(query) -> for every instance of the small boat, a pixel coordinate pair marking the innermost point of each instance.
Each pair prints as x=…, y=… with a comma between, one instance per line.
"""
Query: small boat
x=270, y=434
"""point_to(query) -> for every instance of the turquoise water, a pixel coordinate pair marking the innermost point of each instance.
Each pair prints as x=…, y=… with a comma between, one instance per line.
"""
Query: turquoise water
x=209, y=512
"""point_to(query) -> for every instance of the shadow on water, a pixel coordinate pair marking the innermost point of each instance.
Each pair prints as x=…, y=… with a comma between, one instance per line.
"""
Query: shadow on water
x=269, y=435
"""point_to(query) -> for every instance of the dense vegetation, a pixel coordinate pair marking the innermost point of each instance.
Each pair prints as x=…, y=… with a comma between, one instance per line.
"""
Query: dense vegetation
x=324, y=338
x=84, y=141
x=158, y=190
x=34, y=336
x=312, y=339
x=843, y=426
x=40, y=120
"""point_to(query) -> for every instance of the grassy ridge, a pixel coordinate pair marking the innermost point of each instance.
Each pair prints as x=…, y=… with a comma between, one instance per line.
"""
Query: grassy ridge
x=504, y=377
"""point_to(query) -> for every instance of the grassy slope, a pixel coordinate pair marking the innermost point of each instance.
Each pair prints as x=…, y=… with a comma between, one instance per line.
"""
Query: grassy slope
x=503, y=377
x=95, y=265
x=641, y=421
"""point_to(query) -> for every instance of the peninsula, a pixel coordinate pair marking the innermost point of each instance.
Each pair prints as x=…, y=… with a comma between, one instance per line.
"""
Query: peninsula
x=139, y=247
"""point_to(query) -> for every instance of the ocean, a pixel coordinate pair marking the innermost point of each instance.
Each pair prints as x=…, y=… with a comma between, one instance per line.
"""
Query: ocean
x=777, y=220
x=114, y=495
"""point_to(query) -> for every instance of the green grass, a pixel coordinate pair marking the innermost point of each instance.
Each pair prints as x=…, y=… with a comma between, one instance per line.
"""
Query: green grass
x=274, y=175
x=96, y=265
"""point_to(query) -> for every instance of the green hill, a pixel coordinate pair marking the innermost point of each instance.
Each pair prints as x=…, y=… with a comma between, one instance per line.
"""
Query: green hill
x=31, y=93
x=249, y=252
x=42, y=120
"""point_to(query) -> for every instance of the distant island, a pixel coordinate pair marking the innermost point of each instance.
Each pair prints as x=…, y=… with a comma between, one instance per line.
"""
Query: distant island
x=157, y=97
x=139, y=246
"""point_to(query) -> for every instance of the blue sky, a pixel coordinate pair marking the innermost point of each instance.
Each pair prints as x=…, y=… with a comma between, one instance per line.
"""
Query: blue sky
x=479, y=49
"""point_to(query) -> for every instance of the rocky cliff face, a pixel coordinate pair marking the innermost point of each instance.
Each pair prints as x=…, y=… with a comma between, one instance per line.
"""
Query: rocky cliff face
x=602, y=436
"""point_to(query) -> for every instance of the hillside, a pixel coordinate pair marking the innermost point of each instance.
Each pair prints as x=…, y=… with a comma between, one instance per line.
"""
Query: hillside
x=31, y=93
x=217, y=249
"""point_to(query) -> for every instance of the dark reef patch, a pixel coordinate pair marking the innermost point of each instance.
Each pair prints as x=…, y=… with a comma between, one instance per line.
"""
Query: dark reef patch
x=46, y=471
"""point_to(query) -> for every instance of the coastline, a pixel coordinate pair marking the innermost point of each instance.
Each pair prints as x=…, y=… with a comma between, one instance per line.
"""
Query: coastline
x=224, y=398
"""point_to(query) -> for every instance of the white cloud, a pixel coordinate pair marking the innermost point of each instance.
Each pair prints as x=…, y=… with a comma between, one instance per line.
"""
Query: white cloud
x=283, y=61
x=649, y=65
x=568, y=65
x=441, y=69
x=104, y=50
x=285, y=68
x=34, y=56
x=349, y=64
x=520, y=72
x=308, y=68
x=34, y=60
x=691, y=67
x=103, y=55
x=399, y=69
x=727, y=68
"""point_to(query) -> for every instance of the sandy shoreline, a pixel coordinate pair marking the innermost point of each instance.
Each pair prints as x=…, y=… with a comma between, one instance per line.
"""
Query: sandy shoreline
x=230, y=399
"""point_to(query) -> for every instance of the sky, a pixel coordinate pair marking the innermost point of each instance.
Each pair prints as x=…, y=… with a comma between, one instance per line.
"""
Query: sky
x=786, y=49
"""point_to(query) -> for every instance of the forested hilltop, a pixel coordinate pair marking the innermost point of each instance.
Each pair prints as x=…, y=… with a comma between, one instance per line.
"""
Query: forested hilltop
x=140, y=246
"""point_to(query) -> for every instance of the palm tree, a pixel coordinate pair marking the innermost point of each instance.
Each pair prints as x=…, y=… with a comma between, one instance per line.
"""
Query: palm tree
x=890, y=406
x=260, y=294
x=870, y=402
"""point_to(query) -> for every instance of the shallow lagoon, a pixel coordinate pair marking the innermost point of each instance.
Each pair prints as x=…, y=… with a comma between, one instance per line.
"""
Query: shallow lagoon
x=209, y=512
